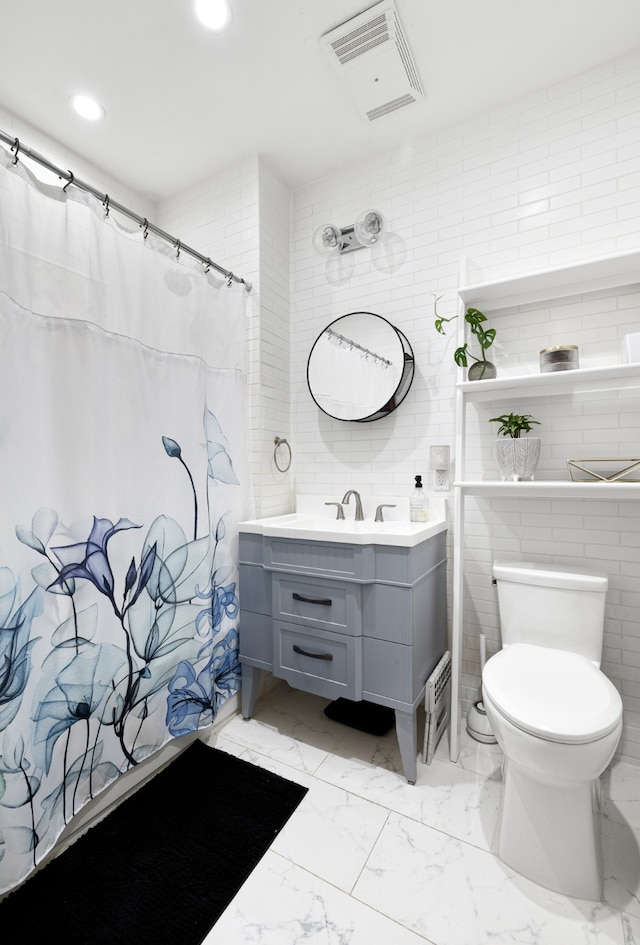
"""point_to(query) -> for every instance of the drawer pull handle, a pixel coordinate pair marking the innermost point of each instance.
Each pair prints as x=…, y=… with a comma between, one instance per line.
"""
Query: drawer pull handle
x=325, y=601
x=314, y=656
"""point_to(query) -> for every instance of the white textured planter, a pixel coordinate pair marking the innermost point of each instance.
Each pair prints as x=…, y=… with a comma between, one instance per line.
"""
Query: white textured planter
x=517, y=458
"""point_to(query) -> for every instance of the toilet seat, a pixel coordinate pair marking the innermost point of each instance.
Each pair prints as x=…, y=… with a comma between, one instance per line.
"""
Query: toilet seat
x=553, y=694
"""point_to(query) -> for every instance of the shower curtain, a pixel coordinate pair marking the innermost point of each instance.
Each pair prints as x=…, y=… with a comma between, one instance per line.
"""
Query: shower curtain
x=122, y=480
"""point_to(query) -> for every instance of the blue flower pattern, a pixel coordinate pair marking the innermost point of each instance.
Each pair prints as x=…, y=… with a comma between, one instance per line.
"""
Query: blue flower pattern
x=173, y=641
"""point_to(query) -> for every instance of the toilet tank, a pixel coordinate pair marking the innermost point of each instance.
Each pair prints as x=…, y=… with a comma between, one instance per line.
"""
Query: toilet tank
x=561, y=608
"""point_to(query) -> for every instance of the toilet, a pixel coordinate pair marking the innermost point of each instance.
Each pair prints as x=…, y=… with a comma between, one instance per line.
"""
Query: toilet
x=558, y=720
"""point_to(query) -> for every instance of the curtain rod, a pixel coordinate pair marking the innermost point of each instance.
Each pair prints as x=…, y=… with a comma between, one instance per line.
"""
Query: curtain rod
x=112, y=204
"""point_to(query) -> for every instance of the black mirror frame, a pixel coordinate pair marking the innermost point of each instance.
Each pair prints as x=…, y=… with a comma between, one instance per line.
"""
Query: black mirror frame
x=406, y=377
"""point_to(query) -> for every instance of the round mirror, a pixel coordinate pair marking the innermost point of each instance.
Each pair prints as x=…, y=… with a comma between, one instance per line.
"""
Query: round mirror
x=360, y=368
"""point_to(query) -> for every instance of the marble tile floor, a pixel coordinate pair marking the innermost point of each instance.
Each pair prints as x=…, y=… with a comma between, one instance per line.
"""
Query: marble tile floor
x=368, y=859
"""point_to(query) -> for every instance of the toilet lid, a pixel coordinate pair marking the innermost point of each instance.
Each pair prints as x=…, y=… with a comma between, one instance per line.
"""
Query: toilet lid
x=555, y=695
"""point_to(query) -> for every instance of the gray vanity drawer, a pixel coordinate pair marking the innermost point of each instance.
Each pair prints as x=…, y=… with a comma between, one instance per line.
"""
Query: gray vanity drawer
x=317, y=603
x=360, y=563
x=324, y=663
x=314, y=557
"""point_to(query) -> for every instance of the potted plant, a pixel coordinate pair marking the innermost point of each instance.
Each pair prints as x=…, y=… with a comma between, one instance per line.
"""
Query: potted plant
x=517, y=455
x=481, y=368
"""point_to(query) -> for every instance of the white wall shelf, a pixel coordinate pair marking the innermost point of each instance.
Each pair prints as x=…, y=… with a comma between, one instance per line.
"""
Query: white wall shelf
x=579, y=381
x=609, y=272
x=552, y=489
x=614, y=274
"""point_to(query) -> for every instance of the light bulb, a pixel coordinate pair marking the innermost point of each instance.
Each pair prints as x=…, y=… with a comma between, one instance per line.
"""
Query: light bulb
x=326, y=238
x=214, y=14
x=368, y=227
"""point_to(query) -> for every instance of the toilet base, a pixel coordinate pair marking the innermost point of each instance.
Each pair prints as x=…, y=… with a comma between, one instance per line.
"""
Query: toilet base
x=551, y=833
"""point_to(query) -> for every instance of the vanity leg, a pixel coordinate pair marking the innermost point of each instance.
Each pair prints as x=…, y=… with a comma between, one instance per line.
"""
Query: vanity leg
x=251, y=677
x=407, y=732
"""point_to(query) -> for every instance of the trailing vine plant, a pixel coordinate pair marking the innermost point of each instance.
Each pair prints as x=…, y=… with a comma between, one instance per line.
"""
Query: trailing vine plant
x=476, y=321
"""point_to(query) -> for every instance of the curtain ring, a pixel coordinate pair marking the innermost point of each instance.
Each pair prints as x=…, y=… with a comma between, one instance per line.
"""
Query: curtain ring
x=105, y=204
x=70, y=181
x=287, y=463
x=207, y=265
x=177, y=245
x=229, y=281
x=145, y=228
x=16, y=145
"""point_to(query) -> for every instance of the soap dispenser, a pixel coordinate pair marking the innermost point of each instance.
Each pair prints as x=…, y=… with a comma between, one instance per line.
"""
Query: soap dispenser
x=418, y=503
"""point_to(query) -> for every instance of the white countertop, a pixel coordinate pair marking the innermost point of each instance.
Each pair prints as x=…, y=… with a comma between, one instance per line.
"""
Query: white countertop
x=314, y=526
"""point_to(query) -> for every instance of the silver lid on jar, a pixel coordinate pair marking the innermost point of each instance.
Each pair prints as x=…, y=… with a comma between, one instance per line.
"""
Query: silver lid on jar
x=559, y=348
x=559, y=358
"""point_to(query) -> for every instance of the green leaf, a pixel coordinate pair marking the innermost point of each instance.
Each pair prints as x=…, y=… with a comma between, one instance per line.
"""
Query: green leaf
x=440, y=319
x=475, y=317
x=486, y=338
x=513, y=424
x=460, y=356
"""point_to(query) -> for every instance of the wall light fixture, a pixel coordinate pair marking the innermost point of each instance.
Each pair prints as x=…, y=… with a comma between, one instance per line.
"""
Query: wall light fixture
x=346, y=239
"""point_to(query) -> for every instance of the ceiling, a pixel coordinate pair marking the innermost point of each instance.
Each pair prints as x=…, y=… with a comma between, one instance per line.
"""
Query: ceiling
x=182, y=102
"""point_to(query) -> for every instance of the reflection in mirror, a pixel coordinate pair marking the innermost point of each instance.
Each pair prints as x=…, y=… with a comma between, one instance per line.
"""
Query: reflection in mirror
x=360, y=368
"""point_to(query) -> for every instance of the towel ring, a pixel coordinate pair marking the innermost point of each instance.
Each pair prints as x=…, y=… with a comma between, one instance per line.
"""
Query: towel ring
x=278, y=443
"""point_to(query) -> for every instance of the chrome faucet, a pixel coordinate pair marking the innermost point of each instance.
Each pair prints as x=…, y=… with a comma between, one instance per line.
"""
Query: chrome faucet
x=379, y=515
x=339, y=509
x=359, y=516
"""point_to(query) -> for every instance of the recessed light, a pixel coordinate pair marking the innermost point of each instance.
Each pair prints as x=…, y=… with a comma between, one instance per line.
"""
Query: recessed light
x=214, y=14
x=87, y=107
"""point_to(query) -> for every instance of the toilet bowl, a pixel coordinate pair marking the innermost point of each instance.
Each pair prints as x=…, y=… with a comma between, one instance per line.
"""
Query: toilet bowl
x=558, y=720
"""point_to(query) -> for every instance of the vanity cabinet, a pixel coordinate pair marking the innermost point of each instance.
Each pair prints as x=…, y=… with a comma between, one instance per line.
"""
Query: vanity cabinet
x=357, y=621
x=607, y=275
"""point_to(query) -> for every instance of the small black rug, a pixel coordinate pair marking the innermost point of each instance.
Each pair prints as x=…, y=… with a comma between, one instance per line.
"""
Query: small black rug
x=365, y=716
x=163, y=866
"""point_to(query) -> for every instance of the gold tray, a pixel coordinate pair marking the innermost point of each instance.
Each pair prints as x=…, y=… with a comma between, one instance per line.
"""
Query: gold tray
x=610, y=470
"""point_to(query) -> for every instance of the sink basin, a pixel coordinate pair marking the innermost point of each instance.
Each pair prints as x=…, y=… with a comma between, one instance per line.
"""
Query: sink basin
x=315, y=527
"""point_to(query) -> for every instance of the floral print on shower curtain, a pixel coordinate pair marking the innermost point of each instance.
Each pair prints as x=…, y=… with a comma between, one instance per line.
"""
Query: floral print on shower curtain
x=122, y=457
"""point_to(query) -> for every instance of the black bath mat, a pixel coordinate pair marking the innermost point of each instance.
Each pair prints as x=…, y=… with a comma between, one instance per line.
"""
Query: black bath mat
x=365, y=716
x=164, y=865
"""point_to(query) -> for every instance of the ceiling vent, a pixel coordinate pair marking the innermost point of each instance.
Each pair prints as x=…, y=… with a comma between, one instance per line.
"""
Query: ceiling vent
x=375, y=63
